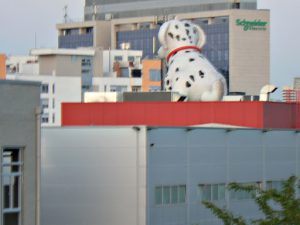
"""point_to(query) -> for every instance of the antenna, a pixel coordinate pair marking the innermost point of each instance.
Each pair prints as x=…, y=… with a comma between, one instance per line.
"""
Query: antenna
x=66, y=13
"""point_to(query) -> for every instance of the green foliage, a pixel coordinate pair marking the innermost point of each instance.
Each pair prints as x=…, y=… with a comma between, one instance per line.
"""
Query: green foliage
x=280, y=207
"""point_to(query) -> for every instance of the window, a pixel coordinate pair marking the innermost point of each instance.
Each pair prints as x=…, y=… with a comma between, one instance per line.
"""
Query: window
x=45, y=118
x=45, y=88
x=118, y=58
x=130, y=58
x=89, y=30
x=12, y=169
x=53, y=88
x=124, y=72
x=277, y=185
x=211, y=192
x=166, y=195
x=154, y=75
x=118, y=88
x=44, y=103
x=154, y=88
x=240, y=195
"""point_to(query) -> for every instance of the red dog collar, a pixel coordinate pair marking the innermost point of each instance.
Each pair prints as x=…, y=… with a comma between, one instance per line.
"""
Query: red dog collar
x=180, y=49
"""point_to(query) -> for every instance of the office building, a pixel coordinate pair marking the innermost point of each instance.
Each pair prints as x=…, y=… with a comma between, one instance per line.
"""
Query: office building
x=115, y=9
x=84, y=34
x=19, y=153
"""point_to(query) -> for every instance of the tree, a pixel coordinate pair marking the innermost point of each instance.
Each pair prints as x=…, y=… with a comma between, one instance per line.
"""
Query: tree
x=280, y=207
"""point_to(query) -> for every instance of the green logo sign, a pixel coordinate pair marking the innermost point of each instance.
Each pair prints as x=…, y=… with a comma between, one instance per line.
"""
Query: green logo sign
x=252, y=24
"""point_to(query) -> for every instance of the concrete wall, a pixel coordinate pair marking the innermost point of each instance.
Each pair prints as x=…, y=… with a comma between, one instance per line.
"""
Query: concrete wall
x=18, y=128
x=60, y=65
x=212, y=156
x=93, y=175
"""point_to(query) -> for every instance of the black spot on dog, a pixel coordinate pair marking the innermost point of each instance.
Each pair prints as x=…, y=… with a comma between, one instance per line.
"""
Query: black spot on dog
x=167, y=82
x=178, y=37
x=176, y=26
x=191, y=59
x=177, y=78
x=190, y=37
x=191, y=42
x=201, y=74
x=170, y=88
x=195, y=30
x=177, y=69
x=187, y=32
x=171, y=35
x=187, y=25
x=192, y=77
x=171, y=62
x=187, y=84
x=187, y=51
x=184, y=39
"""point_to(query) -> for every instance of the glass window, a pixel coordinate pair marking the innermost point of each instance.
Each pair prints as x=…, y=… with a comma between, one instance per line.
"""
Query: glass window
x=45, y=88
x=205, y=192
x=124, y=72
x=118, y=58
x=154, y=75
x=277, y=185
x=154, y=88
x=174, y=194
x=44, y=103
x=166, y=195
x=130, y=58
x=212, y=192
x=45, y=118
x=118, y=88
x=158, y=195
x=12, y=168
x=182, y=193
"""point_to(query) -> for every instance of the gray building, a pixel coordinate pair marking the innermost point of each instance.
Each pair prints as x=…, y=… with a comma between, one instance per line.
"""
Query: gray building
x=108, y=9
x=19, y=152
x=158, y=176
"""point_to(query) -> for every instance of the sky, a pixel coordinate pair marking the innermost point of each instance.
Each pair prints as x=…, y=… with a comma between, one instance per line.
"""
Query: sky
x=31, y=23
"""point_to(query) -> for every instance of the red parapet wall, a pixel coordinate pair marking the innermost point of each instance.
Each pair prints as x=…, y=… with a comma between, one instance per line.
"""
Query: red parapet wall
x=245, y=114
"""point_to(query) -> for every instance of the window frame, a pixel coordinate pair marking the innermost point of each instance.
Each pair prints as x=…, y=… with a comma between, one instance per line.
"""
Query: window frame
x=12, y=174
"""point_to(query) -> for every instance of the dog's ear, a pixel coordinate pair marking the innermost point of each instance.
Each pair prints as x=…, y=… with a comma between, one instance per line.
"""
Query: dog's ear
x=162, y=34
x=201, y=36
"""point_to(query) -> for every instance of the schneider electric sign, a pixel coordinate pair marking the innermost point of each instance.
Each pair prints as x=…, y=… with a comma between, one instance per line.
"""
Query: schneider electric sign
x=251, y=24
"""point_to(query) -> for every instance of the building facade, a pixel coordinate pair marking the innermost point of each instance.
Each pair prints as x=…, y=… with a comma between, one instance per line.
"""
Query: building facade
x=66, y=74
x=238, y=43
x=19, y=153
x=115, y=9
x=156, y=175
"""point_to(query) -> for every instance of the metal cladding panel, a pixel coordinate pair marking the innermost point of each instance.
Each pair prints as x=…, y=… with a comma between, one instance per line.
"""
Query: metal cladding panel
x=93, y=176
x=248, y=114
x=180, y=156
x=286, y=114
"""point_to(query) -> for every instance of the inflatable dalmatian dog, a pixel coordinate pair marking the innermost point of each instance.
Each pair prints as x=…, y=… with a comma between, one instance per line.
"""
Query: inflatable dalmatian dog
x=189, y=72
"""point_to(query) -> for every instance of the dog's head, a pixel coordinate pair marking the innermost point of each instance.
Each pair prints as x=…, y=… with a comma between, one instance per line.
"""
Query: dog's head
x=175, y=33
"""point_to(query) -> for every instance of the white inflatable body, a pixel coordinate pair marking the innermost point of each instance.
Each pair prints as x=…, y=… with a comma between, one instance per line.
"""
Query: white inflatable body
x=189, y=72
